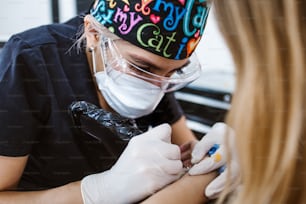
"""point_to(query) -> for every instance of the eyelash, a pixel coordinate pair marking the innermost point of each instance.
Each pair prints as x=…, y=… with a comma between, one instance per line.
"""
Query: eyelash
x=179, y=71
x=136, y=70
x=146, y=68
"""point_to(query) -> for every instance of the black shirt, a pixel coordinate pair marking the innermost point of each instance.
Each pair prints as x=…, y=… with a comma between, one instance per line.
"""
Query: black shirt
x=40, y=76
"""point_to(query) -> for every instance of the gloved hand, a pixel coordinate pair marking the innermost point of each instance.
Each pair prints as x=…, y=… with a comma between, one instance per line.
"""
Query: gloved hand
x=203, y=163
x=148, y=163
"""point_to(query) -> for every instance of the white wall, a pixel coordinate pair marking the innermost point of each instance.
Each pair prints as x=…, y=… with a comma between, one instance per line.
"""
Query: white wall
x=19, y=15
x=218, y=67
x=67, y=9
x=212, y=49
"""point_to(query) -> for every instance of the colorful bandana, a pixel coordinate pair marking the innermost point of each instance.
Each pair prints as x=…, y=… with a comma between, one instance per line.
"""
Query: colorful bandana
x=169, y=28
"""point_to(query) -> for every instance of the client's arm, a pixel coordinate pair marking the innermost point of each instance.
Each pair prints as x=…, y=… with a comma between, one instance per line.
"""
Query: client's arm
x=188, y=189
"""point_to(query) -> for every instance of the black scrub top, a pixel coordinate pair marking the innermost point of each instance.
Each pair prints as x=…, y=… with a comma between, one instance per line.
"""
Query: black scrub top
x=41, y=74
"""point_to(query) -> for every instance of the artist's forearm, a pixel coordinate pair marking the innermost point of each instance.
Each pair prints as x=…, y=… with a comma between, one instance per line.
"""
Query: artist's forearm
x=181, y=134
x=67, y=194
x=188, y=189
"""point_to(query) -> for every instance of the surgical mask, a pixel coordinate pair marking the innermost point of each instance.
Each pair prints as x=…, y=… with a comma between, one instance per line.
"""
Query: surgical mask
x=131, y=90
x=128, y=95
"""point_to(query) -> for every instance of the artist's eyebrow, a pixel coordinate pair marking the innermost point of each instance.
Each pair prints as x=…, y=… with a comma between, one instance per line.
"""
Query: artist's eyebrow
x=147, y=63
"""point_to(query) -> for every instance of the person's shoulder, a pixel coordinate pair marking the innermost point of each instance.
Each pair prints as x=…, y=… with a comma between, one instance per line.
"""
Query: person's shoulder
x=56, y=33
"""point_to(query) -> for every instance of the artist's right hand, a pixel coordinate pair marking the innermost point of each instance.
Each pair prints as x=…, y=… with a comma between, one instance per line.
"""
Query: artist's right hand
x=205, y=162
x=148, y=163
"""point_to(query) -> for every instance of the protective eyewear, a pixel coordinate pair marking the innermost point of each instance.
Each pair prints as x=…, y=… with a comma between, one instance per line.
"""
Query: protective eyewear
x=180, y=78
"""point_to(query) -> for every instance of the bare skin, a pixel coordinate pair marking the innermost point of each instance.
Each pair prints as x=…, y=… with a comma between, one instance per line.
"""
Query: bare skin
x=69, y=193
x=188, y=189
x=10, y=173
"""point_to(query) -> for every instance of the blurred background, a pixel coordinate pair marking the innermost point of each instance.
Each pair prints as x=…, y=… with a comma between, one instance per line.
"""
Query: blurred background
x=205, y=101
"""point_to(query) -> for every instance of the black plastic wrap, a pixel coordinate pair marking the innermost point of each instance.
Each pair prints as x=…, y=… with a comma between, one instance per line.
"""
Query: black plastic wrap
x=101, y=135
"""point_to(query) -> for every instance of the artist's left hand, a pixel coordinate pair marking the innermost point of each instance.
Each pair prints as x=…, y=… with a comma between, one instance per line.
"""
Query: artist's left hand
x=209, y=154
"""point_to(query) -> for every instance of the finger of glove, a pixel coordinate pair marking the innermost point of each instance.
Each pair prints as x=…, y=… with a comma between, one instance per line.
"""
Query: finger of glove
x=220, y=126
x=221, y=130
x=217, y=133
x=171, y=167
x=214, y=136
x=217, y=185
x=201, y=149
x=161, y=132
x=169, y=151
x=209, y=164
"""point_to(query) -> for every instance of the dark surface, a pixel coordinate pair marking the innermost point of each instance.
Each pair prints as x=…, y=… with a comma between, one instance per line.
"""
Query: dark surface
x=101, y=133
x=199, y=112
x=83, y=5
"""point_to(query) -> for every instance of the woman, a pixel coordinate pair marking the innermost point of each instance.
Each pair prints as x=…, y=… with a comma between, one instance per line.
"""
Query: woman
x=267, y=40
x=128, y=68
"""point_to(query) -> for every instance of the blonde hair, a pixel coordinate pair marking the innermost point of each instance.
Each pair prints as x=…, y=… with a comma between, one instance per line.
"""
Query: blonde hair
x=267, y=39
x=97, y=28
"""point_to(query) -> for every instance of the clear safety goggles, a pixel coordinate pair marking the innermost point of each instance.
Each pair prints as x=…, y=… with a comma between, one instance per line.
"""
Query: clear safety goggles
x=180, y=78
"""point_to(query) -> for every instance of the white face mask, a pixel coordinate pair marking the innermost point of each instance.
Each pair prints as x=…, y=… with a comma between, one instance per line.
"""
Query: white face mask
x=130, y=96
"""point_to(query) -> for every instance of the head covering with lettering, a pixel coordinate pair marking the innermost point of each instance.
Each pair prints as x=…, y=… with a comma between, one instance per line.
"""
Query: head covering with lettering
x=169, y=28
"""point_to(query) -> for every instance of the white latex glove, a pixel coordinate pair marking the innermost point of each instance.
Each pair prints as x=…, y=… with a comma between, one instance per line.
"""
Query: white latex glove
x=204, y=162
x=148, y=163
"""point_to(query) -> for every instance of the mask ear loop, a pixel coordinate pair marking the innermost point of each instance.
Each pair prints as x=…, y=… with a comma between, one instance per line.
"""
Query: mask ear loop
x=114, y=49
x=93, y=59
